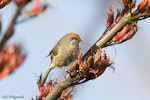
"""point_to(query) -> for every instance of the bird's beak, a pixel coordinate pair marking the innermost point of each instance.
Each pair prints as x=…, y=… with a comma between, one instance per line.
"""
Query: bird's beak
x=80, y=40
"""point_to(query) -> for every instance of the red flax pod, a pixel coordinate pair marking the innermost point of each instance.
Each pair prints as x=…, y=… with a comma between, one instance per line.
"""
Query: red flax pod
x=133, y=3
x=119, y=16
x=74, y=67
x=129, y=35
x=143, y=5
x=126, y=33
x=0, y=23
x=120, y=34
x=4, y=3
x=84, y=66
x=18, y=2
x=133, y=29
x=110, y=18
x=92, y=67
x=125, y=4
x=128, y=4
x=149, y=3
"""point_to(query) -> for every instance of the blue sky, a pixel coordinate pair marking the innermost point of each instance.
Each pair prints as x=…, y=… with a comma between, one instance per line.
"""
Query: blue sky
x=130, y=81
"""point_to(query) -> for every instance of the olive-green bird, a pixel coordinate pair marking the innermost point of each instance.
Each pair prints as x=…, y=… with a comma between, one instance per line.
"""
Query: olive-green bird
x=65, y=52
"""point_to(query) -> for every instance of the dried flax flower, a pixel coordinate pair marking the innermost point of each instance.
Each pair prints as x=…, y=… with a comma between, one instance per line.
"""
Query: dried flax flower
x=95, y=61
x=10, y=59
x=92, y=67
x=89, y=69
x=50, y=85
x=110, y=15
x=36, y=9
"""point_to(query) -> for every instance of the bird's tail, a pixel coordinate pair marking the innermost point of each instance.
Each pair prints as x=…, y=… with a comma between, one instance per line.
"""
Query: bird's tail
x=48, y=55
x=47, y=73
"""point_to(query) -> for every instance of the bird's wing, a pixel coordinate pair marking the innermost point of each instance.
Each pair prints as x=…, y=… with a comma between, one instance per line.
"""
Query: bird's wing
x=53, y=53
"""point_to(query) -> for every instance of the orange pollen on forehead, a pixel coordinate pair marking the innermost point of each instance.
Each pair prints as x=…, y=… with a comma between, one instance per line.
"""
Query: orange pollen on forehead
x=75, y=35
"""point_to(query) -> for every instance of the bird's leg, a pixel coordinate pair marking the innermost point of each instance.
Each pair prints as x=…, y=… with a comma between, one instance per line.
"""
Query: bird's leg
x=44, y=77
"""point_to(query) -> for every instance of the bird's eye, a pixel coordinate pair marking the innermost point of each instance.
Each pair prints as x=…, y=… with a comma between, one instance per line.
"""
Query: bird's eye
x=73, y=42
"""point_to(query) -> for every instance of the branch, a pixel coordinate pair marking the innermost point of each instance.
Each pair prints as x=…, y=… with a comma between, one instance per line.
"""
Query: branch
x=94, y=62
x=14, y=52
x=104, y=39
x=26, y=19
x=60, y=87
x=10, y=30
